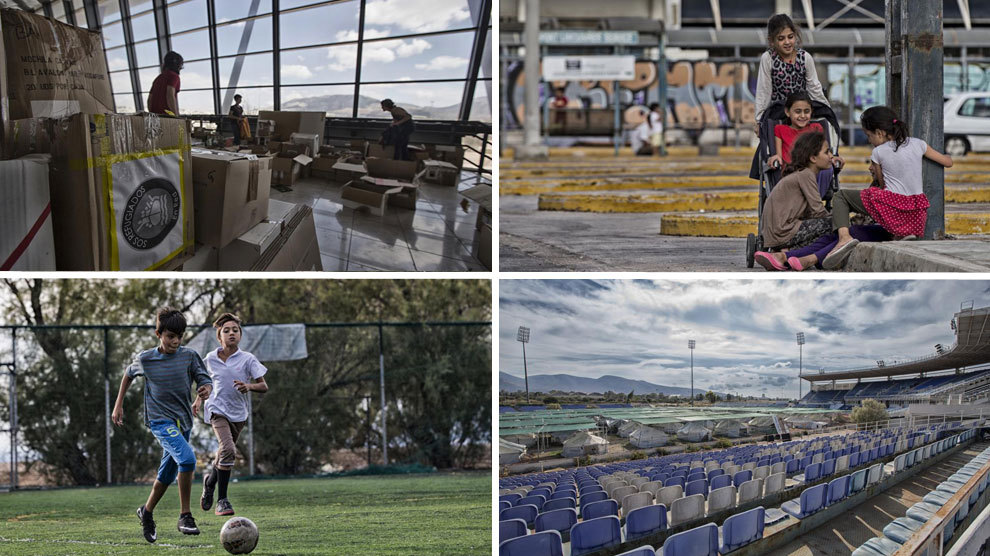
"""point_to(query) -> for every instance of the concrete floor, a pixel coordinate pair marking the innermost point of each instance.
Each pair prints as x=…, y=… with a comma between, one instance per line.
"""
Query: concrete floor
x=436, y=237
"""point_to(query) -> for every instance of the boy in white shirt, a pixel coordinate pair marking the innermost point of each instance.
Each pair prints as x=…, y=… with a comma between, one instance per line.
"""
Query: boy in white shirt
x=235, y=374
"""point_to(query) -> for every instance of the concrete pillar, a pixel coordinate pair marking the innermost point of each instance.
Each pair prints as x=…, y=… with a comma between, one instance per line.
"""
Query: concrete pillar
x=532, y=147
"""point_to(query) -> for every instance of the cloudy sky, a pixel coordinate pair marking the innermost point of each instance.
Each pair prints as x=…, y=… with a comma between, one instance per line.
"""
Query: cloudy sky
x=745, y=329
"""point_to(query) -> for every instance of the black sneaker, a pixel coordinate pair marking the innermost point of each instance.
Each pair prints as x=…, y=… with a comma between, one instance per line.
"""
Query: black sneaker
x=187, y=525
x=209, y=482
x=224, y=507
x=150, y=534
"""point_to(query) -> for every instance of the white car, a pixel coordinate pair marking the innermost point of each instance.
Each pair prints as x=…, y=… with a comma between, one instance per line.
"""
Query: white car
x=967, y=123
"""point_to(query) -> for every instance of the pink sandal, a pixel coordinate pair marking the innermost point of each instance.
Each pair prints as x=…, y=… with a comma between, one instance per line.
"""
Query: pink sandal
x=768, y=261
x=795, y=263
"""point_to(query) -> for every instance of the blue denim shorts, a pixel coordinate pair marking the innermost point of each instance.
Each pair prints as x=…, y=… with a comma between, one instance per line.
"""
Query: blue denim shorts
x=177, y=454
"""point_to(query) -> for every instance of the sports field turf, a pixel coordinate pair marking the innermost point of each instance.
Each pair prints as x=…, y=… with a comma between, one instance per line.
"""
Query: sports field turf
x=439, y=513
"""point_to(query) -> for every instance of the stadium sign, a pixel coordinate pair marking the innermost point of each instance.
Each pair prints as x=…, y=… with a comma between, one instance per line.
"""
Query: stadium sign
x=588, y=68
x=589, y=37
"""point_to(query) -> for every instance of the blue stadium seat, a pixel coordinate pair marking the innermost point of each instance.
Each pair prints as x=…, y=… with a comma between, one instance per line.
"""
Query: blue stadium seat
x=503, y=504
x=645, y=521
x=547, y=543
x=591, y=488
x=559, y=504
x=510, y=498
x=700, y=541
x=742, y=529
x=526, y=512
x=600, y=509
x=646, y=550
x=715, y=473
x=828, y=467
x=741, y=477
x=510, y=529
x=537, y=501
x=901, y=529
x=792, y=466
x=595, y=534
x=563, y=494
x=557, y=520
x=812, y=500
x=812, y=473
x=720, y=481
x=674, y=481
x=544, y=492
x=837, y=490
x=696, y=487
x=592, y=497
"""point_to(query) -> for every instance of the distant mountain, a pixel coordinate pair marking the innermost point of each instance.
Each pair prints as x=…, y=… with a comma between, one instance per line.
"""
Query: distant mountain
x=602, y=384
x=342, y=105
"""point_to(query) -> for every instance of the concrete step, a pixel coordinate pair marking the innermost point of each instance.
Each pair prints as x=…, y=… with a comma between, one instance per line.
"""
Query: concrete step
x=706, y=200
x=959, y=220
x=721, y=166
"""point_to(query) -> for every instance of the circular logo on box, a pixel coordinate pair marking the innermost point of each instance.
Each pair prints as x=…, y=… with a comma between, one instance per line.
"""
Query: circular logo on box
x=151, y=212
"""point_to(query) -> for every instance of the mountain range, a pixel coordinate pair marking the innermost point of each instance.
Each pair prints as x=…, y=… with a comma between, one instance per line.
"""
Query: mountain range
x=602, y=384
x=341, y=106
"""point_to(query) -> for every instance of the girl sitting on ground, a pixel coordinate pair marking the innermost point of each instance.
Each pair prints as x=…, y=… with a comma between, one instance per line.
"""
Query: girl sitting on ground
x=896, y=200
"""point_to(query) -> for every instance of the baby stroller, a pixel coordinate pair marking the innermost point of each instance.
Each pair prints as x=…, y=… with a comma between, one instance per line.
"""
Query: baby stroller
x=821, y=114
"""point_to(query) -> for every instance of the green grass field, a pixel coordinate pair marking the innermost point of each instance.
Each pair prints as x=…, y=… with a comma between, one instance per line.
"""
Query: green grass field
x=439, y=513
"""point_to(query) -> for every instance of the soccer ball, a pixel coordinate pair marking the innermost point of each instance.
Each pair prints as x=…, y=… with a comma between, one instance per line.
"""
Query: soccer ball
x=239, y=535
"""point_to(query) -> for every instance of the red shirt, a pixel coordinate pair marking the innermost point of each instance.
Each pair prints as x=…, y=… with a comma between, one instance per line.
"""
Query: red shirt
x=157, y=104
x=789, y=135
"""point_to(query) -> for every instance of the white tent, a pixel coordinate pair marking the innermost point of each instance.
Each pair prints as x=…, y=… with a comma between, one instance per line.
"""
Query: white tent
x=762, y=425
x=527, y=440
x=729, y=427
x=694, y=432
x=509, y=452
x=804, y=422
x=628, y=428
x=647, y=437
x=584, y=443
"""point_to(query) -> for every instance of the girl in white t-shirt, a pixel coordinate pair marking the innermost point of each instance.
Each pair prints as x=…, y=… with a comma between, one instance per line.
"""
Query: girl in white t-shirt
x=235, y=374
x=895, y=200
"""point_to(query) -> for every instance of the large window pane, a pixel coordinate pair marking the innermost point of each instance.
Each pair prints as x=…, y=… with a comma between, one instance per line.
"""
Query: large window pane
x=58, y=11
x=147, y=77
x=139, y=6
x=120, y=82
x=109, y=11
x=125, y=103
x=196, y=102
x=81, y=19
x=229, y=10
x=259, y=31
x=481, y=110
x=193, y=45
x=330, y=64
x=326, y=24
x=143, y=27
x=335, y=100
x=187, y=15
x=438, y=57
x=196, y=75
x=116, y=59
x=253, y=100
x=256, y=69
x=433, y=101
x=147, y=53
x=407, y=17
x=113, y=35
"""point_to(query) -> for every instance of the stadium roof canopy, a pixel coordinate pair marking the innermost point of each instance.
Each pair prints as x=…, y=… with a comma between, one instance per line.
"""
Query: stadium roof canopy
x=972, y=347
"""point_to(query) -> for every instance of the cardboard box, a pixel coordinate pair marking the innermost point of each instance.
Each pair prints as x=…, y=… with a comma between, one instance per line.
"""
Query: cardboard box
x=344, y=172
x=404, y=170
x=295, y=149
x=287, y=123
x=286, y=169
x=439, y=172
x=231, y=194
x=264, y=129
x=121, y=188
x=49, y=69
x=310, y=140
x=404, y=198
x=359, y=195
x=378, y=151
x=359, y=145
x=322, y=167
x=275, y=147
x=246, y=250
x=482, y=248
x=206, y=259
x=453, y=154
x=27, y=242
x=296, y=249
x=282, y=213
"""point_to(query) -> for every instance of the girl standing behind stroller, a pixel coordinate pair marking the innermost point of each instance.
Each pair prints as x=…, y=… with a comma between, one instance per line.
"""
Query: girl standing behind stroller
x=785, y=67
x=896, y=201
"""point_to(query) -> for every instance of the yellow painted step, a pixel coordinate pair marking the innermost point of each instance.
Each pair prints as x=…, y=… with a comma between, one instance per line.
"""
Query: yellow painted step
x=708, y=201
x=740, y=225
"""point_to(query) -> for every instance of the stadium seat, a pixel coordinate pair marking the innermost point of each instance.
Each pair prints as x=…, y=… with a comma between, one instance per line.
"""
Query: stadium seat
x=563, y=494
x=537, y=501
x=595, y=534
x=638, y=481
x=646, y=550
x=635, y=500
x=901, y=529
x=721, y=499
x=812, y=473
x=646, y=521
x=761, y=472
x=792, y=467
x=875, y=474
x=600, y=509
x=559, y=504
x=742, y=529
x=721, y=481
x=510, y=498
x=686, y=509
x=696, y=487
x=621, y=492
x=741, y=477
x=547, y=543
x=652, y=487
x=877, y=546
x=674, y=481
x=837, y=490
x=667, y=495
x=544, y=492
x=526, y=512
x=510, y=529
x=592, y=497
x=503, y=504
x=828, y=467
x=922, y=511
x=715, y=473
x=811, y=501
x=700, y=541
x=750, y=490
x=557, y=520
x=841, y=464
x=779, y=467
x=774, y=483
x=857, y=481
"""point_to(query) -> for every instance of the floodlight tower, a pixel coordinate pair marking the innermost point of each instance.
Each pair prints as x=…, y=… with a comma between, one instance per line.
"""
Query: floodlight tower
x=800, y=343
x=691, y=347
x=523, y=337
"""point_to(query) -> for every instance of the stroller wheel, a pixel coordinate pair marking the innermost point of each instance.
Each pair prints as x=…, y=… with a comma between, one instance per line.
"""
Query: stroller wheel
x=750, y=250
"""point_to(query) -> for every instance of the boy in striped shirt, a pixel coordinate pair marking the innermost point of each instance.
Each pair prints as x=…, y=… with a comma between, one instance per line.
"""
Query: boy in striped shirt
x=168, y=370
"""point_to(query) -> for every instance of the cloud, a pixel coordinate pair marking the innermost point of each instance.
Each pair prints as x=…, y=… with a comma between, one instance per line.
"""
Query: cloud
x=416, y=46
x=351, y=35
x=443, y=62
x=296, y=71
x=387, y=52
x=418, y=16
x=342, y=57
